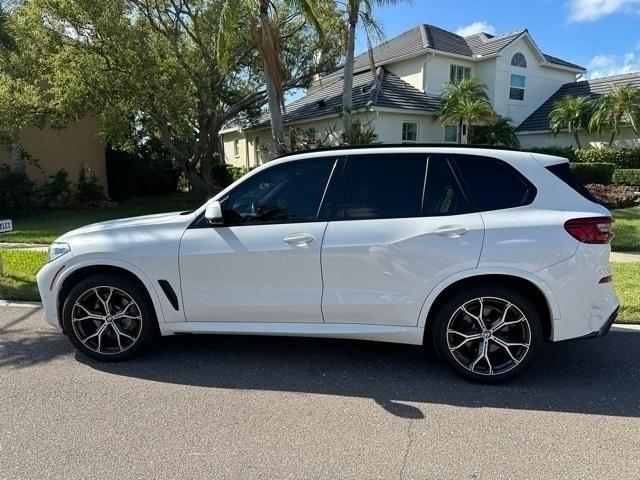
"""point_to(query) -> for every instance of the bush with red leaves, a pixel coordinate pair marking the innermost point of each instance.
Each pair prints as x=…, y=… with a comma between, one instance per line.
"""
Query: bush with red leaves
x=613, y=196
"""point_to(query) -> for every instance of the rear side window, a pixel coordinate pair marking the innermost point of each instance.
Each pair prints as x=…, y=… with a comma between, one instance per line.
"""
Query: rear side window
x=494, y=184
x=384, y=186
x=443, y=194
x=563, y=172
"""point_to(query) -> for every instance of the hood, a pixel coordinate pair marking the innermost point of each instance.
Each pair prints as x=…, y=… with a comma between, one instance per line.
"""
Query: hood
x=121, y=223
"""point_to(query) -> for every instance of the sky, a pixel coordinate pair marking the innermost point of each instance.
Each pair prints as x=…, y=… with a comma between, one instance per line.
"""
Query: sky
x=601, y=35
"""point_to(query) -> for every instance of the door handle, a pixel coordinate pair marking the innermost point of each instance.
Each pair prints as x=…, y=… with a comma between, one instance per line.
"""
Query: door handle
x=298, y=239
x=452, y=231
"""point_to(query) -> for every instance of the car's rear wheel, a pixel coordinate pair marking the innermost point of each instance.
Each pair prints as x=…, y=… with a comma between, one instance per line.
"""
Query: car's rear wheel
x=108, y=317
x=487, y=334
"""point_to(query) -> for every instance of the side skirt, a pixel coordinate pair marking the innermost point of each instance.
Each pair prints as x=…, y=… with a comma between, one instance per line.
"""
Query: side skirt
x=353, y=331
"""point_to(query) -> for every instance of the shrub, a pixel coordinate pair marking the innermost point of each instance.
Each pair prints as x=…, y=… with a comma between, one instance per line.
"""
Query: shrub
x=154, y=170
x=613, y=196
x=56, y=192
x=620, y=157
x=627, y=176
x=18, y=194
x=88, y=187
x=557, y=151
x=593, y=172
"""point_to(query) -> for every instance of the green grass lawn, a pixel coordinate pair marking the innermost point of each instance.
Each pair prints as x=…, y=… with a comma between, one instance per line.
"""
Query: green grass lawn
x=21, y=266
x=47, y=227
x=18, y=281
x=627, y=230
x=626, y=278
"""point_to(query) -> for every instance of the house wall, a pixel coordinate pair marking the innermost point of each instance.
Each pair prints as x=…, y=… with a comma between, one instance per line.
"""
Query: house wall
x=409, y=70
x=72, y=149
x=541, y=82
x=544, y=139
x=437, y=71
x=388, y=126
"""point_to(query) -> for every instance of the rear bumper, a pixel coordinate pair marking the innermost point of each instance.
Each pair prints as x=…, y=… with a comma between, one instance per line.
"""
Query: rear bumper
x=604, y=330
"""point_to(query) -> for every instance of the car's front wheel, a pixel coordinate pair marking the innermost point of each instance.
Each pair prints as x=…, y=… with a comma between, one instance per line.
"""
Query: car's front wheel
x=487, y=334
x=108, y=317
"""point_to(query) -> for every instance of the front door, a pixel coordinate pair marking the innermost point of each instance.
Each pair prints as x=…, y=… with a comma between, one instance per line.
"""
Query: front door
x=263, y=264
x=404, y=225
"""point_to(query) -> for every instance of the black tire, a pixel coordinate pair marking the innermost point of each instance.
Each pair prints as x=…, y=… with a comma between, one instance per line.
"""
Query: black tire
x=497, y=361
x=124, y=335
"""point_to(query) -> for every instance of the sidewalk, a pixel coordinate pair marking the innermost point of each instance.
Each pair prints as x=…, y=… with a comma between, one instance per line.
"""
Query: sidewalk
x=625, y=257
x=36, y=247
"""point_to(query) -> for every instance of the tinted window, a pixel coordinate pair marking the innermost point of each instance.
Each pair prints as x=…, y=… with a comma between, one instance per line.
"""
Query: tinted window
x=493, y=184
x=563, y=172
x=443, y=194
x=385, y=186
x=287, y=193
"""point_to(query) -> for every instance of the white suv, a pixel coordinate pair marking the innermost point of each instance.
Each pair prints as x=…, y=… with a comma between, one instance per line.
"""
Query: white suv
x=481, y=253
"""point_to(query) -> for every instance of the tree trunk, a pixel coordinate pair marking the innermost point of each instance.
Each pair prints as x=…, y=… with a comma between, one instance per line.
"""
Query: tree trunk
x=16, y=151
x=577, y=138
x=270, y=63
x=460, y=123
x=347, y=89
x=612, y=137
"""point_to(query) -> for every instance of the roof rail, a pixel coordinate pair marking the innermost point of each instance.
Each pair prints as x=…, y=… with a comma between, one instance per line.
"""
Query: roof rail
x=399, y=145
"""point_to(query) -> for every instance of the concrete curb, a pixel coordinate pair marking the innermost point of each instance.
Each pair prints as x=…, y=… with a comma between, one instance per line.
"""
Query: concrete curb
x=9, y=303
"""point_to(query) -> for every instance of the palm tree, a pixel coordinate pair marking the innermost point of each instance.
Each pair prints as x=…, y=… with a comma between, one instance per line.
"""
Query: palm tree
x=502, y=132
x=267, y=39
x=358, y=11
x=571, y=113
x=464, y=103
x=621, y=104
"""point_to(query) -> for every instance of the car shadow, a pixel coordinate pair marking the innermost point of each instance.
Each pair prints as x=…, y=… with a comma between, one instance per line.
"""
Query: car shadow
x=600, y=377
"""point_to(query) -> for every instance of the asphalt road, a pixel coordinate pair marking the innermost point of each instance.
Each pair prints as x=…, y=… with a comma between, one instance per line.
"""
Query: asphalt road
x=275, y=408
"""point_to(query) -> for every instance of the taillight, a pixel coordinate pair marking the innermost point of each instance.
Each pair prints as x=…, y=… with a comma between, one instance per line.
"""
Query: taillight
x=590, y=230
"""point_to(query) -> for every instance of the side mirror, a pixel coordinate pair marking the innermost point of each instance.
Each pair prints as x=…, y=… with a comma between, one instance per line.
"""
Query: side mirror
x=213, y=214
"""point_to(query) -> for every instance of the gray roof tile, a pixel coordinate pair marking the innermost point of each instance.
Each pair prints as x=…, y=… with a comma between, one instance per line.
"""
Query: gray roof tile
x=392, y=92
x=539, y=119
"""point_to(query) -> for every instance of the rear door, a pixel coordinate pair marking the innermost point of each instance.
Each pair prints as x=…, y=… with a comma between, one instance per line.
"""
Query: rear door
x=401, y=224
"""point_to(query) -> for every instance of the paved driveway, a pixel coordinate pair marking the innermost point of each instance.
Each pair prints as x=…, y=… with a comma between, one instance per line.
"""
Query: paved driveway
x=243, y=407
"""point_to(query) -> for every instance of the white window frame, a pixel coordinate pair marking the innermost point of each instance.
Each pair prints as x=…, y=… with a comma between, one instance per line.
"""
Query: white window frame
x=453, y=78
x=444, y=133
x=511, y=86
x=409, y=122
x=524, y=59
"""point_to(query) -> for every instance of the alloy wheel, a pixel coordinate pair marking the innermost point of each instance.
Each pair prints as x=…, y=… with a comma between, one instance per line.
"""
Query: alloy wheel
x=488, y=336
x=106, y=320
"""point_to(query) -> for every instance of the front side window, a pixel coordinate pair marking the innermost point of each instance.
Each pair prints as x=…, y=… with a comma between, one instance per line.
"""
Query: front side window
x=384, y=186
x=458, y=72
x=451, y=133
x=286, y=193
x=516, y=90
x=236, y=148
x=493, y=184
x=409, y=132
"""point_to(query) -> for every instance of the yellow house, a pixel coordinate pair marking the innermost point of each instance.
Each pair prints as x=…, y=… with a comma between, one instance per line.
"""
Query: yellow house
x=73, y=148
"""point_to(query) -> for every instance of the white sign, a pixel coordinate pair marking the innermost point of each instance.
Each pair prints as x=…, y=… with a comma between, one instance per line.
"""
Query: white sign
x=5, y=225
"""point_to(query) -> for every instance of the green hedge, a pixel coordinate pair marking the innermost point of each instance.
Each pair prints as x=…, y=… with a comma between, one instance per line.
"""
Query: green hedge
x=601, y=173
x=627, y=176
x=620, y=157
x=557, y=151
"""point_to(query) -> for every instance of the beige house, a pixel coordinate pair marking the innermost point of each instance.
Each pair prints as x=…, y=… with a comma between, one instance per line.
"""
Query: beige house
x=72, y=149
x=399, y=100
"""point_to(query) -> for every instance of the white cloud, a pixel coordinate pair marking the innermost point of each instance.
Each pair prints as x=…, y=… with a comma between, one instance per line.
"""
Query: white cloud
x=476, y=27
x=589, y=10
x=606, y=65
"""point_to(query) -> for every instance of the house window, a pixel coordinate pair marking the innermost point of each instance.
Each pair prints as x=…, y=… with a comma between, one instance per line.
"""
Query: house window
x=458, y=72
x=451, y=133
x=518, y=60
x=409, y=132
x=236, y=148
x=311, y=135
x=516, y=90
